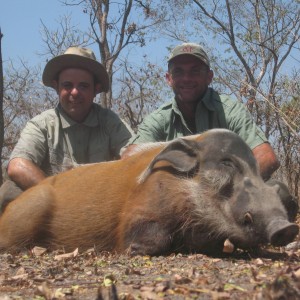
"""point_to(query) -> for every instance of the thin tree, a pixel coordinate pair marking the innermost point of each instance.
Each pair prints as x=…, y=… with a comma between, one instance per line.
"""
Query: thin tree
x=113, y=27
x=140, y=91
x=262, y=35
x=1, y=108
x=249, y=42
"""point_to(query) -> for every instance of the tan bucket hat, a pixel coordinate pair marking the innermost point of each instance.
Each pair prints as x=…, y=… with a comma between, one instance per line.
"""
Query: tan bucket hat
x=190, y=49
x=75, y=57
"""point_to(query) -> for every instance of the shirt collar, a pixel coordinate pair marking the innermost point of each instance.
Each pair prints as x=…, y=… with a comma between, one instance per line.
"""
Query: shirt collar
x=206, y=100
x=91, y=120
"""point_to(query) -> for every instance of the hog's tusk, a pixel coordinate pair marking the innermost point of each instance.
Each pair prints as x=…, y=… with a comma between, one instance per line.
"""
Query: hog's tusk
x=228, y=246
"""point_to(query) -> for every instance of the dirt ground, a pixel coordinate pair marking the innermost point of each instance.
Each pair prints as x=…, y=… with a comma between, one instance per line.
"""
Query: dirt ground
x=271, y=273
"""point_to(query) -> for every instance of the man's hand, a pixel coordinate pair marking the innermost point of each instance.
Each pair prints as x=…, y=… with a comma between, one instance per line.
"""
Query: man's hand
x=128, y=151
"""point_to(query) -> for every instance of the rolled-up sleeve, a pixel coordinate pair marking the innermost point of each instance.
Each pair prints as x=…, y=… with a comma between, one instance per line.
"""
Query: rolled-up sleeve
x=150, y=130
x=32, y=144
x=241, y=122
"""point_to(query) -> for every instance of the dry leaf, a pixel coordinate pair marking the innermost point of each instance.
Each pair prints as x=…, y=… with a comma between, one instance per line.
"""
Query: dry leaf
x=38, y=251
x=297, y=273
x=66, y=255
x=21, y=271
x=22, y=276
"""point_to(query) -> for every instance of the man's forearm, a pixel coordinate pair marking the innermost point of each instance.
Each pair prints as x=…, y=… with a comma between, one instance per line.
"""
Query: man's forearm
x=267, y=160
x=24, y=173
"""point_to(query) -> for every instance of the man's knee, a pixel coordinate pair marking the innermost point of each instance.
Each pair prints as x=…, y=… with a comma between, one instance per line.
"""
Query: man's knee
x=288, y=200
x=8, y=192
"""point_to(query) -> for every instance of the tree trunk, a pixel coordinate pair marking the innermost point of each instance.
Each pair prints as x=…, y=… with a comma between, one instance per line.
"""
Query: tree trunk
x=1, y=108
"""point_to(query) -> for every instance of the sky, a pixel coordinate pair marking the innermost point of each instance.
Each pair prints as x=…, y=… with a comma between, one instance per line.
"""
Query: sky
x=20, y=23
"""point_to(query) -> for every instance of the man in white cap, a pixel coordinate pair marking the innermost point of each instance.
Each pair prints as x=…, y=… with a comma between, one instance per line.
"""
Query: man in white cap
x=77, y=131
x=196, y=107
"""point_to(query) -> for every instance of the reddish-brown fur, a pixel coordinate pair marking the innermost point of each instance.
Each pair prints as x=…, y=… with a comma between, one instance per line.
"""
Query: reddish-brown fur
x=67, y=210
x=186, y=195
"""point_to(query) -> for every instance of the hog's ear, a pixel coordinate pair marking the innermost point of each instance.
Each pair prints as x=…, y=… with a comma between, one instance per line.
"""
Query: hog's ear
x=180, y=155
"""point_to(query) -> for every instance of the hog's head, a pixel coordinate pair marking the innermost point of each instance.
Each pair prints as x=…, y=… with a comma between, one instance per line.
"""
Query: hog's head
x=231, y=202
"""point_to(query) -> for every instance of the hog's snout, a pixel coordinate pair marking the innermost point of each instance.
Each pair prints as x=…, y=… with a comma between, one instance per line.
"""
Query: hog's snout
x=282, y=232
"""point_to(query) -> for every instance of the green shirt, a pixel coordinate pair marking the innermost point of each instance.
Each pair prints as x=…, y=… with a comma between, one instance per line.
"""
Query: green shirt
x=56, y=143
x=213, y=111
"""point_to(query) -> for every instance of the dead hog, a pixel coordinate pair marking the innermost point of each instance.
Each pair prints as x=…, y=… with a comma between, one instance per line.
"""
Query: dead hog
x=188, y=195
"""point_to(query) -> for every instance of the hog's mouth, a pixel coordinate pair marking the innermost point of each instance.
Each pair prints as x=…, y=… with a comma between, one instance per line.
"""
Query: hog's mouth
x=233, y=243
x=278, y=236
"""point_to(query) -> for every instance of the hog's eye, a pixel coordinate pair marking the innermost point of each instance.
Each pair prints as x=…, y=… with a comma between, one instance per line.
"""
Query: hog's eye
x=248, y=219
x=227, y=163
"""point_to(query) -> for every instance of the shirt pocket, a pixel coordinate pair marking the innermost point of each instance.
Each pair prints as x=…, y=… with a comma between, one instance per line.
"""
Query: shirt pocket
x=59, y=161
x=99, y=149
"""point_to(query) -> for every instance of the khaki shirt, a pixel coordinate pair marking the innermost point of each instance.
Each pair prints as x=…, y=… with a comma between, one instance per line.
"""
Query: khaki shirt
x=56, y=143
x=213, y=111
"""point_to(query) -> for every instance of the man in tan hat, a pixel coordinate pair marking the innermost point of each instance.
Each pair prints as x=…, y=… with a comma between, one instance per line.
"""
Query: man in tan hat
x=77, y=131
